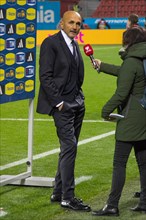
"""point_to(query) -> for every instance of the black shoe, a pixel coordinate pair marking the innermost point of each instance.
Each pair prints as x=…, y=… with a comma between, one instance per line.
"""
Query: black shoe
x=138, y=209
x=107, y=210
x=55, y=198
x=75, y=204
x=136, y=195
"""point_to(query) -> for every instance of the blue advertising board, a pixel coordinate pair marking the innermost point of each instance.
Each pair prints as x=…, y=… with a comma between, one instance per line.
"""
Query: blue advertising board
x=17, y=49
x=114, y=23
x=48, y=15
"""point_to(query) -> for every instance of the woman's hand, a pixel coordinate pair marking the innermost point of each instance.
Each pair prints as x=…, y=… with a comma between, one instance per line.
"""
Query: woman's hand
x=97, y=63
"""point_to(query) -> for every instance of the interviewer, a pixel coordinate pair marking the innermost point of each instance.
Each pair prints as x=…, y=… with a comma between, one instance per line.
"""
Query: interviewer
x=130, y=131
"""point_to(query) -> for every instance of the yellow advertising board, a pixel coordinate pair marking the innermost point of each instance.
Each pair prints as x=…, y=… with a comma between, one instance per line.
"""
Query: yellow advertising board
x=88, y=36
x=17, y=49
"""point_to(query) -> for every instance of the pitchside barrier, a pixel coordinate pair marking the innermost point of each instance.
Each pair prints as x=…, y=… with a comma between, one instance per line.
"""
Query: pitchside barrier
x=17, y=72
x=98, y=37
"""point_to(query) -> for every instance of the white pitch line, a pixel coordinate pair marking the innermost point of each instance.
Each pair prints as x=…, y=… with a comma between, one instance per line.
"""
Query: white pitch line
x=43, y=119
x=82, y=179
x=95, y=138
x=103, y=48
x=2, y=212
x=24, y=119
x=57, y=150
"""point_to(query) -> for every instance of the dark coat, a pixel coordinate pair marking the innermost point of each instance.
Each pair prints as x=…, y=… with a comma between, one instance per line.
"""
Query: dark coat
x=55, y=69
x=130, y=88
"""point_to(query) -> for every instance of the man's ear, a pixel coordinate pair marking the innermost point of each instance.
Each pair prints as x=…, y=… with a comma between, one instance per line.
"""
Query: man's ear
x=61, y=24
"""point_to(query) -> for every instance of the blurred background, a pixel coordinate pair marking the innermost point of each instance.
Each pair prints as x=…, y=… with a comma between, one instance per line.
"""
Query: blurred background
x=115, y=12
x=110, y=16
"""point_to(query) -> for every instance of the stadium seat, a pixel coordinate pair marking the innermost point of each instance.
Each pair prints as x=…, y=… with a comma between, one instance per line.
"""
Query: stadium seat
x=124, y=8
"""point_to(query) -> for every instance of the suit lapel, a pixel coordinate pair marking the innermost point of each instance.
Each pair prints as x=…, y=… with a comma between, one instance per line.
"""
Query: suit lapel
x=65, y=47
x=67, y=53
x=81, y=65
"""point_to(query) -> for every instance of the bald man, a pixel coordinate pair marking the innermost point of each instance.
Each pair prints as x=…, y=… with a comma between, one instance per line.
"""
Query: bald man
x=60, y=95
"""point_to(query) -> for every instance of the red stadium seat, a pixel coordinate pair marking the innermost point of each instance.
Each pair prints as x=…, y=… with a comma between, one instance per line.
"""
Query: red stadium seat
x=125, y=7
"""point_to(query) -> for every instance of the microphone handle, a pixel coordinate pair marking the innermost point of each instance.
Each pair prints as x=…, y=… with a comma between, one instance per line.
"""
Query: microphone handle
x=95, y=65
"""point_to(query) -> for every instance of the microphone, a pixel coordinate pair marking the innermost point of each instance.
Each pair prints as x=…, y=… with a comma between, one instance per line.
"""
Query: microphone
x=88, y=50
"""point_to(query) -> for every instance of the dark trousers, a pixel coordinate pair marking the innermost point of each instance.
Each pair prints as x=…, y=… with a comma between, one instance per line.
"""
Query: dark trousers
x=121, y=155
x=68, y=124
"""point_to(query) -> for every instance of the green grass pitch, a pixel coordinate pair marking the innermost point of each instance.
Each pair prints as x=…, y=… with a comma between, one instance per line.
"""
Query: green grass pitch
x=94, y=159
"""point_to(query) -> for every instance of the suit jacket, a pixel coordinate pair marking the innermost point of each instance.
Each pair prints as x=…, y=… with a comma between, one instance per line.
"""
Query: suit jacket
x=55, y=68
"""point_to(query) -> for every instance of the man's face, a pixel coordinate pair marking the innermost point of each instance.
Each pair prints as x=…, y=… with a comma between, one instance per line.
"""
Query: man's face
x=71, y=24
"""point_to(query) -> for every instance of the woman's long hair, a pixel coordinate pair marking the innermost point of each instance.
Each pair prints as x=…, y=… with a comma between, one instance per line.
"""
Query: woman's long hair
x=133, y=36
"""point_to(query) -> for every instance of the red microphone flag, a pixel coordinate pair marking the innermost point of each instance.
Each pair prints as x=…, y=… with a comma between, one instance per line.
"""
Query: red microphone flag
x=88, y=50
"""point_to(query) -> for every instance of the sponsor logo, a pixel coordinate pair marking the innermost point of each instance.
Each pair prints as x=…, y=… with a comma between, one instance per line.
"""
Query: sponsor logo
x=2, y=59
x=21, y=14
x=29, y=85
x=20, y=28
x=2, y=90
x=10, y=29
x=20, y=72
x=29, y=71
x=10, y=59
x=31, y=14
x=20, y=43
x=2, y=44
x=30, y=28
x=21, y=2
x=31, y=2
x=45, y=16
x=10, y=44
x=11, y=2
x=30, y=42
x=11, y=14
x=10, y=74
x=2, y=29
x=9, y=88
x=2, y=14
x=2, y=2
x=29, y=57
x=19, y=87
x=20, y=58
x=2, y=75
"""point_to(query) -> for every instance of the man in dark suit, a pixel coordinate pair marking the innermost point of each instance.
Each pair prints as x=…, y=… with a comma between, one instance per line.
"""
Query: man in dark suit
x=60, y=95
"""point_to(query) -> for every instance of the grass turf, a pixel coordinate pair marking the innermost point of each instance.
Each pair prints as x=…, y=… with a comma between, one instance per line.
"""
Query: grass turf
x=93, y=159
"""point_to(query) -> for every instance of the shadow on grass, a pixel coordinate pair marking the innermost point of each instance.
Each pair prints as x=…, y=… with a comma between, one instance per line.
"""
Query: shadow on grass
x=127, y=201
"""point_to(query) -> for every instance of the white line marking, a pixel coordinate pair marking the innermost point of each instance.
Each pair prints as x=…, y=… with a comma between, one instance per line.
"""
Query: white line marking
x=2, y=212
x=57, y=150
x=96, y=138
x=43, y=119
x=24, y=119
x=82, y=179
x=103, y=48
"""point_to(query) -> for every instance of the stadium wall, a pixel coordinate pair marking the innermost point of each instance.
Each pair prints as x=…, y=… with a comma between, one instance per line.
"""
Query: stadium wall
x=107, y=37
x=114, y=23
x=48, y=18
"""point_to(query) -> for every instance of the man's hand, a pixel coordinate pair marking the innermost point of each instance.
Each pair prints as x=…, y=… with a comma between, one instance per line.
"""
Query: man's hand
x=60, y=107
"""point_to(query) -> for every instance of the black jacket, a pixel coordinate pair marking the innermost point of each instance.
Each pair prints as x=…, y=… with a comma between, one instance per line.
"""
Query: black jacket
x=55, y=70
